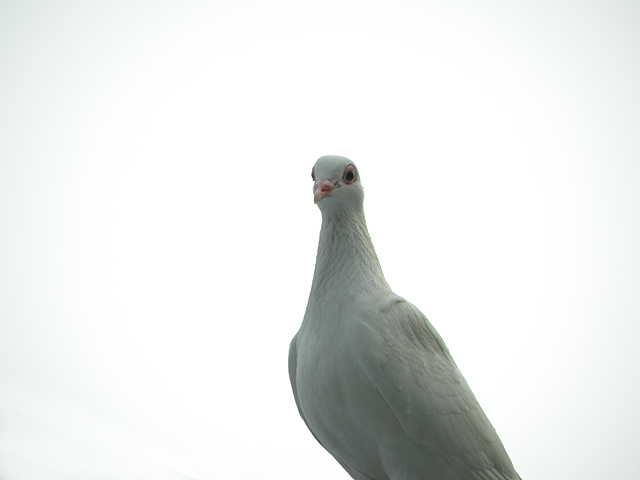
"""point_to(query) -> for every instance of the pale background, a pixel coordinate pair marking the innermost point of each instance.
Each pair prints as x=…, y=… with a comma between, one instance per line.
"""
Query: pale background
x=158, y=234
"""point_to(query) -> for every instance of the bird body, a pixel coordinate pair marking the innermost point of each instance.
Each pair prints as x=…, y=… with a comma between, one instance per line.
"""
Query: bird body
x=371, y=377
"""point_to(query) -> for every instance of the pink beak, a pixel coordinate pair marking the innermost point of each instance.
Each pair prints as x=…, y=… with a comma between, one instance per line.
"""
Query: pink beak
x=322, y=189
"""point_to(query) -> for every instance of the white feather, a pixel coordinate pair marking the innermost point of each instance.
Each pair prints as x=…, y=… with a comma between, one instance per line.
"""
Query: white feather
x=372, y=379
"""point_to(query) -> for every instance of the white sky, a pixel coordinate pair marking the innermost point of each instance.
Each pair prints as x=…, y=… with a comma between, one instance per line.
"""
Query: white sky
x=158, y=233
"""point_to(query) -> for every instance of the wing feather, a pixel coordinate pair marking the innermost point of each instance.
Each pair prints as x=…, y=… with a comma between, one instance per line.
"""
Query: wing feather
x=407, y=360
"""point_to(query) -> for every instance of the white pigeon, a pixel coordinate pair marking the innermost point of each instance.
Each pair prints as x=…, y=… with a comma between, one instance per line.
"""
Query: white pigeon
x=371, y=377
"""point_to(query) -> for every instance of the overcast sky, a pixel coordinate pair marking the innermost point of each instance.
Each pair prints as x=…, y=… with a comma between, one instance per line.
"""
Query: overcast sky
x=158, y=232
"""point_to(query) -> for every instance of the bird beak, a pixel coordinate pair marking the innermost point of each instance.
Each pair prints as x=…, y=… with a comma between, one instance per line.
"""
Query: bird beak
x=322, y=189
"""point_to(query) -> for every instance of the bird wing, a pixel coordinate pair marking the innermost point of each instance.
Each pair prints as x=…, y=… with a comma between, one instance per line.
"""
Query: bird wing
x=293, y=366
x=410, y=365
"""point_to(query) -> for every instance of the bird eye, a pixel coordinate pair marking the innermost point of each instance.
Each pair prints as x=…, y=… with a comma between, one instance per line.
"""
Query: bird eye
x=313, y=174
x=349, y=175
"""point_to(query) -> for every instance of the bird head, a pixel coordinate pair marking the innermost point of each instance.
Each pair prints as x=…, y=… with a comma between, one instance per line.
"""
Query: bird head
x=336, y=184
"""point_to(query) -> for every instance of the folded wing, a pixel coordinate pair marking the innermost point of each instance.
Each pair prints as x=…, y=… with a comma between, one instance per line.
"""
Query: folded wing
x=407, y=360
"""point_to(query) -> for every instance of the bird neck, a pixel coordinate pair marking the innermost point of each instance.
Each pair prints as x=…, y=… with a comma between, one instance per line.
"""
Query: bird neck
x=346, y=263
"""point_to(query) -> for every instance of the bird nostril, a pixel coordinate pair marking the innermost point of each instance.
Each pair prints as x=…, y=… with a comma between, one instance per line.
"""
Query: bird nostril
x=325, y=186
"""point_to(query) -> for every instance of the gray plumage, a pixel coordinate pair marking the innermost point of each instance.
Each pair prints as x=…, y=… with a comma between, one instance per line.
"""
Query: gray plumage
x=371, y=377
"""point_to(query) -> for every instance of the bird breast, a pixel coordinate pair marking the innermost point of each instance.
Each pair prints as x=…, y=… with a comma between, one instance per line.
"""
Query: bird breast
x=340, y=404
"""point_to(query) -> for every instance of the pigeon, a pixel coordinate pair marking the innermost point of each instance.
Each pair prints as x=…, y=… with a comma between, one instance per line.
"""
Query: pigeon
x=372, y=379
